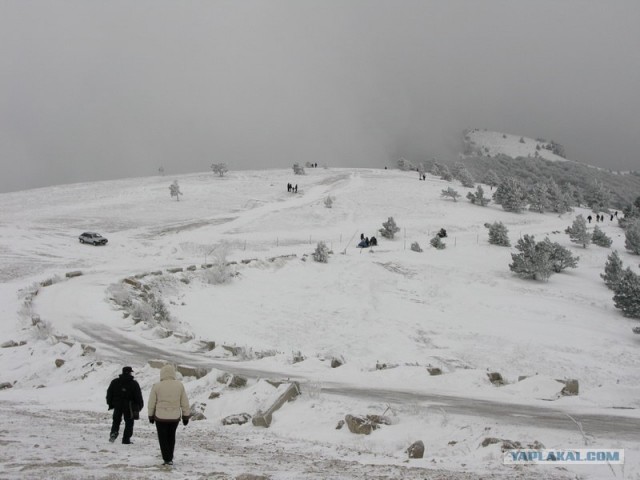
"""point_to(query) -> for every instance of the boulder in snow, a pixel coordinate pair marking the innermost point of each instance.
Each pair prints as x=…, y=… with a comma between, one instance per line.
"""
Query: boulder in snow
x=237, y=419
x=416, y=450
x=5, y=385
x=59, y=362
x=188, y=371
x=495, y=378
x=434, y=371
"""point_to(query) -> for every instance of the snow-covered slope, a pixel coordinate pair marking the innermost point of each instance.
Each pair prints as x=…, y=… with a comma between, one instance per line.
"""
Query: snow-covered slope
x=489, y=143
x=458, y=309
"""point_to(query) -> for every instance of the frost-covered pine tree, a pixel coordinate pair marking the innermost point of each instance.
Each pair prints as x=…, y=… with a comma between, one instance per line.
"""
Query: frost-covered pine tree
x=626, y=295
x=465, y=178
x=405, y=165
x=436, y=169
x=415, y=246
x=297, y=169
x=598, y=197
x=328, y=202
x=445, y=174
x=559, y=256
x=321, y=253
x=450, y=192
x=219, y=168
x=632, y=237
x=532, y=263
x=613, y=271
x=478, y=197
x=436, y=242
x=491, y=178
x=511, y=194
x=539, y=198
x=600, y=238
x=578, y=232
x=498, y=234
x=174, y=190
x=389, y=228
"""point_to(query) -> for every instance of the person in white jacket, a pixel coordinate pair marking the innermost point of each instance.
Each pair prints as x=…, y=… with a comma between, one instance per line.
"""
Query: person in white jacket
x=168, y=403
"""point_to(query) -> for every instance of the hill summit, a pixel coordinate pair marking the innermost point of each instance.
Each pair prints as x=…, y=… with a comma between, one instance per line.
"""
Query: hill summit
x=488, y=143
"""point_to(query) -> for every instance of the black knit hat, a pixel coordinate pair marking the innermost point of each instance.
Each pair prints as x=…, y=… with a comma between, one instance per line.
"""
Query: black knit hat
x=126, y=370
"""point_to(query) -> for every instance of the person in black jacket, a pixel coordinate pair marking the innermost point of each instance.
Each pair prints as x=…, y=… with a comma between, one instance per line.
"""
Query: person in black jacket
x=125, y=399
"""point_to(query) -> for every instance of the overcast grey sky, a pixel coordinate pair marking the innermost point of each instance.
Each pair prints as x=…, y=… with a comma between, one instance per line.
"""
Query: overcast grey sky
x=93, y=90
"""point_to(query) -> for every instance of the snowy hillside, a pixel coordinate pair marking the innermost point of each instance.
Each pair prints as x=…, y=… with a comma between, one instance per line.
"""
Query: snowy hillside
x=387, y=313
x=488, y=143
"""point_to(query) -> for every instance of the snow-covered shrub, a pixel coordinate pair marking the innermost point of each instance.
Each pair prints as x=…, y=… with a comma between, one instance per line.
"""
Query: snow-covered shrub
x=121, y=295
x=160, y=311
x=219, y=168
x=328, y=202
x=220, y=271
x=559, y=256
x=539, y=198
x=415, y=246
x=389, y=228
x=498, y=234
x=297, y=169
x=598, y=197
x=491, y=178
x=321, y=253
x=578, y=232
x=613, y=271
x=478, y=198
x=627, y=294
x=450, y=192
x=600, y=238
x=532, y=263
x=436, y=242
x=174, y=190
x=632, y=237
x=142, y=312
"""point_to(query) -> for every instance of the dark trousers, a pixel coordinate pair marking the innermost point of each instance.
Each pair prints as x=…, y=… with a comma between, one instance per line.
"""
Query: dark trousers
x=118, y=414
x=167, y=438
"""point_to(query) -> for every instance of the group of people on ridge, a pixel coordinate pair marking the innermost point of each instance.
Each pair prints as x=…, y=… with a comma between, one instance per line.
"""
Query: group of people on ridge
x=366, y=242
x=167, y=405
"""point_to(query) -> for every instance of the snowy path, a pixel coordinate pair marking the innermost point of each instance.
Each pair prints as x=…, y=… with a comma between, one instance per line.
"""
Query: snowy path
x=222, y=454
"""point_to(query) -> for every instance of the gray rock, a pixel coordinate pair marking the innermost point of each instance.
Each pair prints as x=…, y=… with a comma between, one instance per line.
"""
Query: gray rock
x=263, y=419
x=571, y=388
x=237, y=381
x=434, y=371
x=59, y=362
x=238, y=419
x=336, y=362
x=46, y=283
x=12, y=343
x=495, y=378
x=510, y=445
x=340, y=425
x=191, y=268
x=359, y=425
x=536, y=445
x=416, y=450
x=76, y=273
x=188, y=371
x=87, y=349
x=5, y=385
x=133, y=282
x=490, y=441
x=251, y=476
x=175, y=270
x=214, y=395
x=157, y=363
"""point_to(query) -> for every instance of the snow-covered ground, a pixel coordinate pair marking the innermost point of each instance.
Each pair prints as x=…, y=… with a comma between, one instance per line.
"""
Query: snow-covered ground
x=490, y=143
x=458, y=309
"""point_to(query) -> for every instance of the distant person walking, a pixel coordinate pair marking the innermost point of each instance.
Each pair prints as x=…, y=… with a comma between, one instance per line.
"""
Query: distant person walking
x=125, y=399
x=589, y=218
x=168, y=403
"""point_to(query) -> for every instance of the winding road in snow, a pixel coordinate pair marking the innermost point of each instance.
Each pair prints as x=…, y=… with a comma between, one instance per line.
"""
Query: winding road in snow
x=123, y=347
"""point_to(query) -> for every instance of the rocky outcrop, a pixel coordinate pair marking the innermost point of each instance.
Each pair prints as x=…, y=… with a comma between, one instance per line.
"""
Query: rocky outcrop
x=237, y=419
